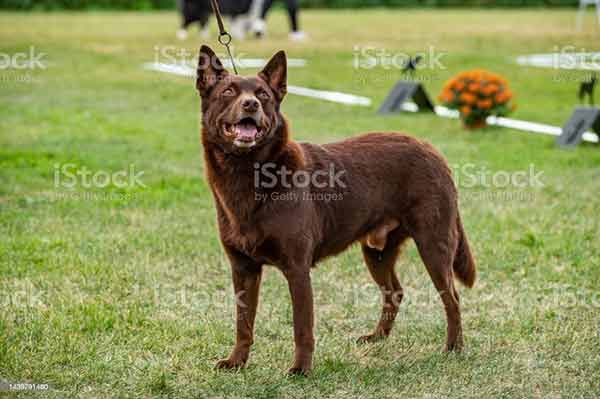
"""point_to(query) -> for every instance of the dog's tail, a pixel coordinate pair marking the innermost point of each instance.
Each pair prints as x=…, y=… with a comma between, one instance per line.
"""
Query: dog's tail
x=464, y=264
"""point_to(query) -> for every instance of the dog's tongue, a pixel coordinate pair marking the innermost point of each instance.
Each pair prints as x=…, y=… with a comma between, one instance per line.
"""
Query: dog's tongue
x=246, y=131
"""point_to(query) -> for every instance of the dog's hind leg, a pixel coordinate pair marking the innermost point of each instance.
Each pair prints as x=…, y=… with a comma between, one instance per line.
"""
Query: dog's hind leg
x=437, y=247
x=381, y=266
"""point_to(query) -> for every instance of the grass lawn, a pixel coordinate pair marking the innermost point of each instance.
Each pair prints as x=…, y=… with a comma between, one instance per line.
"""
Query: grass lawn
x=125, y=291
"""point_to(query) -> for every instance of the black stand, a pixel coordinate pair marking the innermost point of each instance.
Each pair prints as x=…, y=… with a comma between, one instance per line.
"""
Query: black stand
x=582, y=119
x=404, y=91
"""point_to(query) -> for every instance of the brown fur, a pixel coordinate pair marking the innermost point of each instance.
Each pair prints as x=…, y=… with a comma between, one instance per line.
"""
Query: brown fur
x=394, y=187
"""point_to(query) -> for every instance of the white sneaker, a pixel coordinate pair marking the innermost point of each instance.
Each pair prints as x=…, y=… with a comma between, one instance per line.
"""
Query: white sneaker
x=181, y=34
x=259, y=27
x=297, y=36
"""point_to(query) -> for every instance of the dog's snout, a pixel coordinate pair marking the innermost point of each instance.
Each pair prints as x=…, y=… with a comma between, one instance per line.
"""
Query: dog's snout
x=250, y=104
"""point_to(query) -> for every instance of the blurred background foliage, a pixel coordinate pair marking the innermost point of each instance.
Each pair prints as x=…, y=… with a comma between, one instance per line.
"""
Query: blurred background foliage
x=170, y=4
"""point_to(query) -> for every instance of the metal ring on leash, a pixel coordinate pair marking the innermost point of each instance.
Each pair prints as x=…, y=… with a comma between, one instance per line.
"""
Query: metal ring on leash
x=225, y=39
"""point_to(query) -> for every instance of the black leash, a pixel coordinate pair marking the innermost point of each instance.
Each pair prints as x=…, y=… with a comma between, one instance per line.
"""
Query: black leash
x=224, y=36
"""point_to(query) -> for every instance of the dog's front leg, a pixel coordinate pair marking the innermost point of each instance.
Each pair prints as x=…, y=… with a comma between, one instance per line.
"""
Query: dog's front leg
x=302, y=304
x=246, y=282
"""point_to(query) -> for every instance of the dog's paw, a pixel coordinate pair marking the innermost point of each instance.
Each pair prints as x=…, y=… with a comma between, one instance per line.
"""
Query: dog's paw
x=299, y=371
x=229, y=364
x=370, y=338
x=456, y=347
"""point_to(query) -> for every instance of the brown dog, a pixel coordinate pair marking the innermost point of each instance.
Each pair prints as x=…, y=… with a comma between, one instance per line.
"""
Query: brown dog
x=292, y=204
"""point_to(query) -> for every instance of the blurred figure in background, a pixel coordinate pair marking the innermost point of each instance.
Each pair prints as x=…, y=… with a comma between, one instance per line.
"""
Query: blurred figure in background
x=244, y=15
x=260, y=9
x=201, y=11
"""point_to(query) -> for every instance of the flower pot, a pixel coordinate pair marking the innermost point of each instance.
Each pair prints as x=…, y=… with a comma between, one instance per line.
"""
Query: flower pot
x=475, y=124
x=476, y=94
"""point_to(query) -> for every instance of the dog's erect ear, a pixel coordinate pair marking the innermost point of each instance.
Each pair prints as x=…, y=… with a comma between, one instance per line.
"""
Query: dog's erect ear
x=275, y=74
x=210, y=70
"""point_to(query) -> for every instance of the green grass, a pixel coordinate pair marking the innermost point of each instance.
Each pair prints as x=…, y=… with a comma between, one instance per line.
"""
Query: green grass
x=128, y=294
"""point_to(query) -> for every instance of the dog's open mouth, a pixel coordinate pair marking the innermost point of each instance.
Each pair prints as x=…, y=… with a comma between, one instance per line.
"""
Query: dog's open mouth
x=245, y=131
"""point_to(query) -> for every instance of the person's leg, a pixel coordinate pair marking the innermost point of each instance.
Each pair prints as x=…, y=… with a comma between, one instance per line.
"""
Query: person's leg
x=260, y=10
x=292, y=9
x=265, y=8
x=183, y=8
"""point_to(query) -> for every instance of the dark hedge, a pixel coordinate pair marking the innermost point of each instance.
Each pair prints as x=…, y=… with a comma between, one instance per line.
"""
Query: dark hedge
x=170, y=4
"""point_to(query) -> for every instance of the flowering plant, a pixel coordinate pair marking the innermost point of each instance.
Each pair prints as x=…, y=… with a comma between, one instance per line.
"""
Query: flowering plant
x=477, y=94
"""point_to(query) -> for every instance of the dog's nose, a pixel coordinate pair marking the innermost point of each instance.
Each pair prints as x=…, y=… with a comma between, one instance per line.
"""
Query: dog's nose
x=250, y=104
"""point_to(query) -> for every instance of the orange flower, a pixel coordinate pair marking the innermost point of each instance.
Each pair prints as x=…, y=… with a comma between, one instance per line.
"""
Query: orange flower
x=459, y=85
x=484, y=104
x=502, y=97
x=490, y=89
x=465, y=110
x=473, y=87
x=446, y=96
x=468, y=98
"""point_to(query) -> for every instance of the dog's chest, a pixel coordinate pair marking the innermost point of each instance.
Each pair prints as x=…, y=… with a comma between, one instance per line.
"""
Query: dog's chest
x=254, y=242
x=249, y=235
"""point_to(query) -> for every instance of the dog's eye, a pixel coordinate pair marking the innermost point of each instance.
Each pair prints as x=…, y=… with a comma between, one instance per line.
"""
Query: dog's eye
x=228, y=92
x=263, y=95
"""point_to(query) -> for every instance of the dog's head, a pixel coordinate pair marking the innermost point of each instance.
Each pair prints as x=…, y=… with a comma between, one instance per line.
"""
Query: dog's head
x=240, y=113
